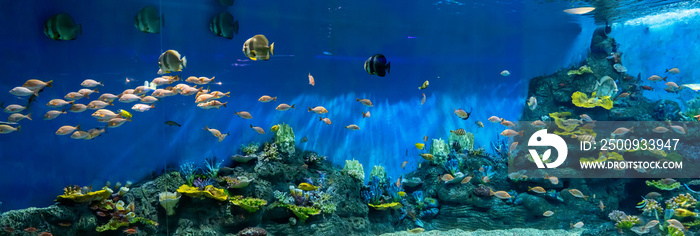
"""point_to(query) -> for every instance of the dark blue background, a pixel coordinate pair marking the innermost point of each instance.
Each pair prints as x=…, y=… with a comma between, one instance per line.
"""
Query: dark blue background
x=461, y=49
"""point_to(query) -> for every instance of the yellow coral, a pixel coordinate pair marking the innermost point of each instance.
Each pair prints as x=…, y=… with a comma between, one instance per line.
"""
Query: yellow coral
x=209, y=191
x=582, y=100
x=385, y=206
x=77, y=196
x=580, y=71
x=558, y=117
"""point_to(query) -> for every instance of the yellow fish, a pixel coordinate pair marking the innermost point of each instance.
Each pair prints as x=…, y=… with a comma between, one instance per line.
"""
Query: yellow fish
x=680, y=212
x=275, y=128
x=425, y=85
x=420, y=146
x=402, y=193
x=416, y=230
x=124, y=114
x=307, y=187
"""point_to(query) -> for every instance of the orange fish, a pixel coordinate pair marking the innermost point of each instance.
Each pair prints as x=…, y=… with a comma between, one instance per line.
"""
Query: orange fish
x=102, y=214
x=512, y=147
x=422, y=101
x=398, y=181
x=503, y=195
x=447, y=177
x=552, y=179
x=577, y=193
x=536, y=189
x=8, y=229
x=131, y=231
x=45, y=234
x=365, y=114
x=466, y=180
x=577, y=225
x=30, y=230
x=403, y=164
x=485, y=179
x=325, y=120
x=311, y=80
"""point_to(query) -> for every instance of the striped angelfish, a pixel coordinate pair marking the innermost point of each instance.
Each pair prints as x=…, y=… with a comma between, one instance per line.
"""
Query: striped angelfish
x=223, y=25
x=62, y=27
x=377, y=65
x=148, y=20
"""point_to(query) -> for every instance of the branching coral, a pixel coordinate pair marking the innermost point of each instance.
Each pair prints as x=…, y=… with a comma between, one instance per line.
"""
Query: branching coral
x=623, y=221
x=392, y=190
x=212, y=166
x=374, y=191
x=250, y=149
x=650, y=207
x=452, y=166
x=238, y=182
x=270, y=153
x=187, y=171
x=681, y=201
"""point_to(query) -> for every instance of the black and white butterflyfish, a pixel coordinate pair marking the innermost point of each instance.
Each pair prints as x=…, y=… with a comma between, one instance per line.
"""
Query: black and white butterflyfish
x=223, y=25
x=377, y=65
x=62, y=27
x=148, y=20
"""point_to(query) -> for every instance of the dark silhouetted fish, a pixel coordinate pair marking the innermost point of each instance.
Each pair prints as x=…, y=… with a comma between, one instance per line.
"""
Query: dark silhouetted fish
x=148, y=20
x=62, y=27
x=223, y=25
x=172, y=123
x=377, y=65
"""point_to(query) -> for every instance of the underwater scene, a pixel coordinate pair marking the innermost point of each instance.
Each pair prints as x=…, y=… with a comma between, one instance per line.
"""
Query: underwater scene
x=341, y=117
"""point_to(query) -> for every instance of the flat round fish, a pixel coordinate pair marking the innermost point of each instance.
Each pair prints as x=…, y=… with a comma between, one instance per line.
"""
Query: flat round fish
x=377, y=65
x=222, y=25
x=61, y=27
x=148, y=20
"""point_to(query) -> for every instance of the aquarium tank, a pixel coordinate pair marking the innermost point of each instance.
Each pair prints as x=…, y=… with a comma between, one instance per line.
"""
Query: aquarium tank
x=438, y=117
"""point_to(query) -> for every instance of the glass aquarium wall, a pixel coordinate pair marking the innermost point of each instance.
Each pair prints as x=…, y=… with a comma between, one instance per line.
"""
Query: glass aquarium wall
x=305, y=118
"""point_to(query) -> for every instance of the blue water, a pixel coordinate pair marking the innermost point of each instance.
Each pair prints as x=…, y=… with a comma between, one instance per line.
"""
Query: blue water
x=461, y=49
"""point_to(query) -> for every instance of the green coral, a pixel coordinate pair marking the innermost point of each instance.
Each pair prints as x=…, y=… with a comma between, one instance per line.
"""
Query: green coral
x=324, y=203
x=115, y=224
x=379, y=172
x=251, y=148
x=661, y=184
x=302, y=212
x=439, y=149
x=284, y=138
x=465, y=141
x=270, y=152
x=627, y=222
x=581, y=70
x=386, y=206
x=673, y=231
x=354, y=169
x=248, y=203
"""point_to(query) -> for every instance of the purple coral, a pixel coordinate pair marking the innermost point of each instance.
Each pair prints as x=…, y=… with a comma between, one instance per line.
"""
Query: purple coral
x=252, y=231
x=202, y=183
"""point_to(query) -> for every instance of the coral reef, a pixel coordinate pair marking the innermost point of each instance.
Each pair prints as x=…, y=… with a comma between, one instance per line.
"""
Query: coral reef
x=284, y=139
x=439, y=149
x=354, y=169
x=465, y=142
